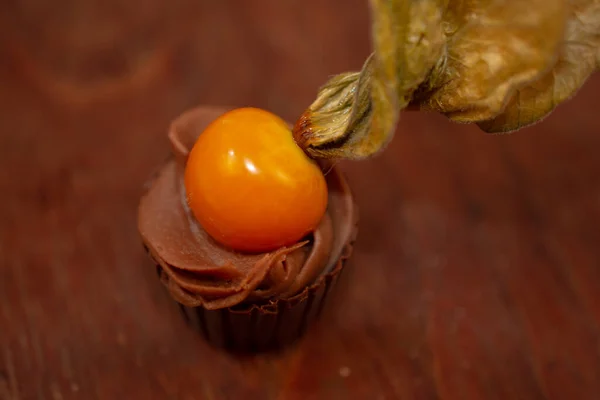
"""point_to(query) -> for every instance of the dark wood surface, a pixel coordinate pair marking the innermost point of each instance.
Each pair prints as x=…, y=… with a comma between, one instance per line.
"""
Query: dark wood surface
x=477, y=269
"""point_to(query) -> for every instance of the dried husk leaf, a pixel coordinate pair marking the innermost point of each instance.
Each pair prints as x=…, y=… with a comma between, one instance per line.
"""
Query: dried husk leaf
x=503, y=64
x=498, y=47
x=355, y=114
x=578, y=58
x=341, y=116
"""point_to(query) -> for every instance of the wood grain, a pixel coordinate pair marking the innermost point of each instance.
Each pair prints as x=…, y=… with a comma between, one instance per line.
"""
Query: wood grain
x=477, y=268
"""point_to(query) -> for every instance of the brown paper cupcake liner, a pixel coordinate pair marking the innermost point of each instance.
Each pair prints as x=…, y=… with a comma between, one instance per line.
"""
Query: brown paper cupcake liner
x=271, y=326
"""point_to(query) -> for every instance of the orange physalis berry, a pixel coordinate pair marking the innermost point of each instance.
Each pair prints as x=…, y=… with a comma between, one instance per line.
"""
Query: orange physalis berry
x=250, y=186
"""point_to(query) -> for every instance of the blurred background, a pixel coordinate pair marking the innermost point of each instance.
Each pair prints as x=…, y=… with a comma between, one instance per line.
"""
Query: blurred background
x=477, y=269
x=181, y=53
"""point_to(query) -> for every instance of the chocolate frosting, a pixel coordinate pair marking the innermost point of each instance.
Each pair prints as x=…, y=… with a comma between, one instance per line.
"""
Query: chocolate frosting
x=198, y=271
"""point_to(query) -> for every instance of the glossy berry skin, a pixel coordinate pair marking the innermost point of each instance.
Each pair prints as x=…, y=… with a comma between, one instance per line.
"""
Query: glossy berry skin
x=249, y=184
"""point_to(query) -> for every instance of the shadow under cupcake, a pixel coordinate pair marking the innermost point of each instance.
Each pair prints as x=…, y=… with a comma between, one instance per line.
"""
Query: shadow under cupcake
x=244, y=302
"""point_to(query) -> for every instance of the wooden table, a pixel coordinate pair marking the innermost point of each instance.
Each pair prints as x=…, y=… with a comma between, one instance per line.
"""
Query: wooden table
x=477, y=269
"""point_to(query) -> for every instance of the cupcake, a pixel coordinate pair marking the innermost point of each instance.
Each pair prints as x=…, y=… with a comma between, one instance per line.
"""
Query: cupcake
x=251, y=253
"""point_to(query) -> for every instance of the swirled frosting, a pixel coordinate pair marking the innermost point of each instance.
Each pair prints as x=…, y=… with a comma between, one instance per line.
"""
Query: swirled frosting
x=198, y=271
